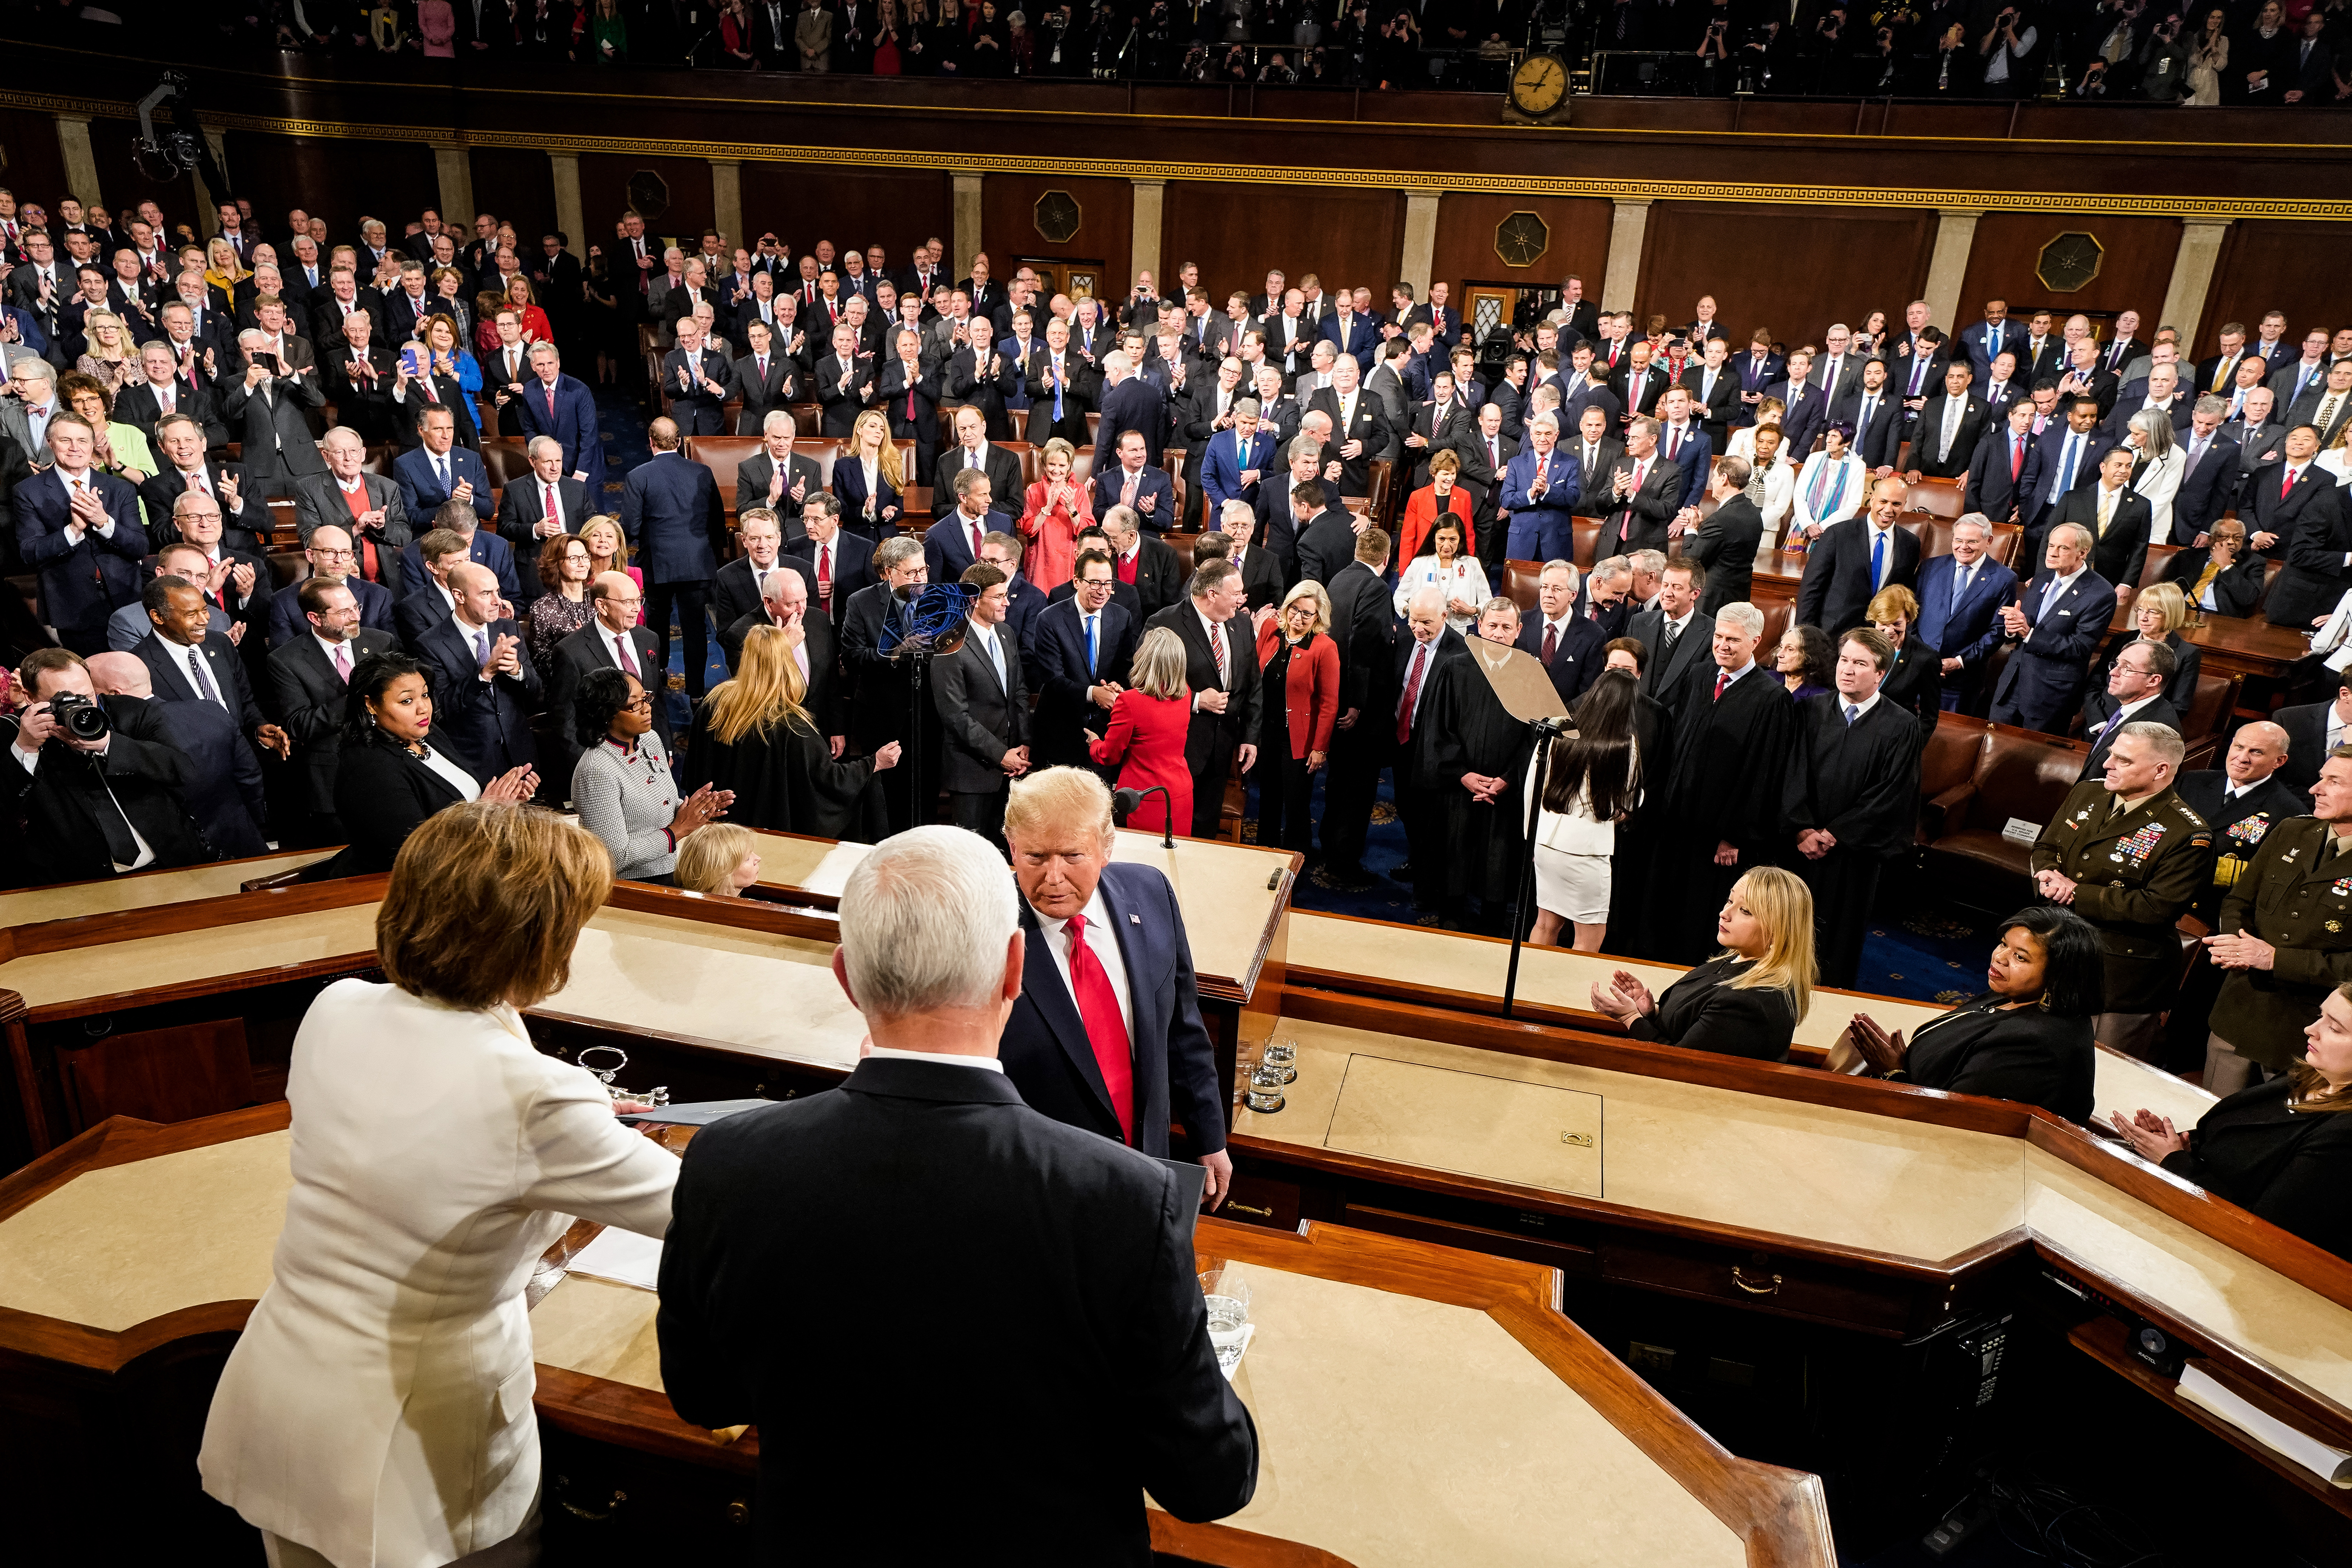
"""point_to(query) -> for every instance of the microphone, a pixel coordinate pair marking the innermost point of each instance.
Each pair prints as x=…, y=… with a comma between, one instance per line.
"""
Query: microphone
x=1123, y=802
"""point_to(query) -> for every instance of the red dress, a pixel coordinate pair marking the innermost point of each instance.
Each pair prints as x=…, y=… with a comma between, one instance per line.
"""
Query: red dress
x=1053, y=533
x=1146, y=738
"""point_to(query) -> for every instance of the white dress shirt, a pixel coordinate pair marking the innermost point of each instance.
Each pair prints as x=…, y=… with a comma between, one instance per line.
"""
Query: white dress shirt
x=1102, y=936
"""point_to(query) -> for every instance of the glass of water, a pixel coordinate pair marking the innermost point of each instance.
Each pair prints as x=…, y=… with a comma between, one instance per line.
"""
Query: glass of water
x=1228, y=1297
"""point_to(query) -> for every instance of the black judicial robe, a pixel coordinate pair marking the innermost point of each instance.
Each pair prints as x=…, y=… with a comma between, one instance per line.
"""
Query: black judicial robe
x=1730, y=772
x=1858, y=781
x=787, y=782
x=1468, y=732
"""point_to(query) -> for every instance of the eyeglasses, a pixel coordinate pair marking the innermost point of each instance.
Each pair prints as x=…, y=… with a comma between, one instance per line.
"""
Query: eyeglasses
x=325, y=555
x=642, y=700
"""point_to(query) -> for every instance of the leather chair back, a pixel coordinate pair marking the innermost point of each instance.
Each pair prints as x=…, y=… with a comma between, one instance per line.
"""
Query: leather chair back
x=504, y=458
x=722, y=455
x=1520, y=582
x=1585, y=534
x=1939, y=498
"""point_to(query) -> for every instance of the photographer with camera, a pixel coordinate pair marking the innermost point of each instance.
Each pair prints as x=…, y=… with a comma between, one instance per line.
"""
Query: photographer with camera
x=96, y=781
x=2005, y=48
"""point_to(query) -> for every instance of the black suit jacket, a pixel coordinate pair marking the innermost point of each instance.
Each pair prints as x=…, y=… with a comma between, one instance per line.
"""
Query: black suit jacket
x=1836, y=586
x=755, y=473
x=1930, y=429
x=914, y=1169
x=578, y=655
x=311, y=703
x=382, y=794
x=59, y=799
x=1715, y=413
x=521, y=511
x=853, y=566
x=980, y=717
x=2099, y=708
x=1212, y=734
x=2207, y=491
x=167, y=670
x=1663, y=676
x=1725, y=543
x=490, y=720
x=2124, y=552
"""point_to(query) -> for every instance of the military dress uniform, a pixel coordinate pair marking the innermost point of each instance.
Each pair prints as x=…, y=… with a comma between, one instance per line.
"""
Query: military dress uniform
x=2297, y=897
x=2137, y=871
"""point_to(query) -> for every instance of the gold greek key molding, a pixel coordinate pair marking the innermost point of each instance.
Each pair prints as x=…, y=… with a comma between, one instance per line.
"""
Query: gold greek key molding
x=2157, y=204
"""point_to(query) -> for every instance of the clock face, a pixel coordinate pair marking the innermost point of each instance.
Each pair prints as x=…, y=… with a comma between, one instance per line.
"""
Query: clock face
x=2069, y=262
x=1521, y=239
x=1539, y=84
x=1057, y=217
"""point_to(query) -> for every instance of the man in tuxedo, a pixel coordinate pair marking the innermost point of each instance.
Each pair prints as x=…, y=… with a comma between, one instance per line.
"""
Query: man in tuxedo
x=2069, y=457
x=612, y=639
x=2134, y=694
x=1847, y=567
x=93, y=808
x=1960, y=595
x=1220, y=670
x=485, y=687
x=310, y=676
x=1945, y=436
x=1078, y=652
x=560, y=407
x=1721, y=546
x=437, y=470
x=1640, y=496
x=533, y=510
x=2208, y=474
x=80, y=530
x=2057, y=623
x=1804, y=411
x=939, y=1136
x=672, y=515
x=837, y=564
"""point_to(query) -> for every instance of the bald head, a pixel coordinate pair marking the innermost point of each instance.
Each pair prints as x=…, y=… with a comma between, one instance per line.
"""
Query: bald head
x=2256, y=751
x=118, y=674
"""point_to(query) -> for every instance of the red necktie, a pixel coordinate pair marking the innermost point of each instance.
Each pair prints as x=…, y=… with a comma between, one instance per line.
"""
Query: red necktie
x=1722, y=680
x=1106, y=1030
x=824, y=573
x=1551, y=643
x=1673, y=441
x=1127, y=569
x=1412, y=694
x=551, y=402
x=974, y=526
x=1217, y=647
x=2286, y=485
x=2016, y=458
x=552, y=515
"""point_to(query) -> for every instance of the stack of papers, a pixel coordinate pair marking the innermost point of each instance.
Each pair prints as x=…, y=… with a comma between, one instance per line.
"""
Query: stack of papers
x=623, y=1256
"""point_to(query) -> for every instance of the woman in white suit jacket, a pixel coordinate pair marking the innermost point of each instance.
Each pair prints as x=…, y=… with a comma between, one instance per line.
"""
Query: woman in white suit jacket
x=377, y=1412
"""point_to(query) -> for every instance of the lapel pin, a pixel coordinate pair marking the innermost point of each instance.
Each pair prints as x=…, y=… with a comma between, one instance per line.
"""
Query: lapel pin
x=1135, y=920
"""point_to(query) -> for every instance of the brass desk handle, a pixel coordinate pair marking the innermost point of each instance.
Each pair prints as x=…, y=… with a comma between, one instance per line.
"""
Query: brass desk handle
x=1266, y=1213
x=576, y=1512
x=1753, y=1289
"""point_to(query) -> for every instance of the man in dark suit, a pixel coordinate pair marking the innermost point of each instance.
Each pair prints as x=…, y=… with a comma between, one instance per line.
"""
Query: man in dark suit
x=671, y=513
x=1061, y=389
x=162, y=390
x=973, y=449
x=1076, y=667
x=2313, y=731
x=191, y=659
x=612, y=639
x=1683, y=443
x=1874, y=554
x=328, y=551
x=737, y=590
x=1759, y=370
x=1220, y=670
x=2293, y=501
x=880, y=704
x=2326, y=406
x=1009, y=1178
x=2005, y=467
x=2134, y=694
x=983, y=708
x=1803, y=408
x=1638, y=382
x=483, y=548
x=267, y=409
x=2069, y=457
x=786, y=603
x=223, y=791
x=696, y=383
x=1984, y=341
x=2117, y=517
x=1567, y=646
x=180, y=444
x=953, y=543
x=1420, y=657
x=1142, y=562
x=1130, y=402
x=80, y=530
x=1363, y=624
x=765, y=380
x=1960, y=595
x=562, y=408
x=1945, y=436
x=485, y=687
x=845, y=382
x=1713, y=389
x=310, y=676
x=1359, y=432
x=2208, y=474
x=837, y=564
x=1874, y=417
x=237, y=583
x=1676, y=631
x=2261, y=440
x=359, y=377
x=1642, y=496
x=1724, y=543
x=2057, y=623
x=1137, y=483
x=93, y=808
x=534, y=507
x=438, y=470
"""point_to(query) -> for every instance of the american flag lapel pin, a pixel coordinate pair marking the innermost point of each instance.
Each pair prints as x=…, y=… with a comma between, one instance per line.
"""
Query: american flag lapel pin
x=1135, y=920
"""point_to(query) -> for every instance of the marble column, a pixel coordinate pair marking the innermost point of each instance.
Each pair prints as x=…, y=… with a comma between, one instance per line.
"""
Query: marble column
x=967, y=242
x=1948, y=268
x=570, y=216
x=456, y=171
x=727, y=201
x=1143, y=242
x=1420, y=242
x=82, y=163
x=2192, y=279
x=1627, y=228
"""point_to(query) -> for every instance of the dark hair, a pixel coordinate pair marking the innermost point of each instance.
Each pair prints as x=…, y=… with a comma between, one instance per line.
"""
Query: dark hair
x=1633, y=645
x=372, y=678
x=601, y=694
x=1599, y=754
x=1820, y=655
x=2073, y=977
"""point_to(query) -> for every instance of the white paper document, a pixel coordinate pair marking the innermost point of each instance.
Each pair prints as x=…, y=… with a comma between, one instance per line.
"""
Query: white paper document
x=2332, y=1464
x=623, y=1256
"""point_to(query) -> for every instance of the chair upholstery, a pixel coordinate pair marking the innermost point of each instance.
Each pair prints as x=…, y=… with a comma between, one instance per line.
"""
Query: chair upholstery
x=1519, y=581
x=1954, y=748
x=1939, y=498
x=1585, y=534
x=503, y=457
x=2019, y=775
x=722, y=455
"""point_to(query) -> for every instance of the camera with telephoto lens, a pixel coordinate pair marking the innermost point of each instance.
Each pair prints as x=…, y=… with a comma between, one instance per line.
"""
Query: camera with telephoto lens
x=80, y=716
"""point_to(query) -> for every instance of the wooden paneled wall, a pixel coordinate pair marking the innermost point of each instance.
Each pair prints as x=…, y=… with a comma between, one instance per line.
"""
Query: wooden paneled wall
x=340, y=181
x=1106, y=227
x=2133, y=272
x=2298, y=268
x=605, y=194
x=848, y=205
x=1235, y=231
x=36, y=168
x=517, y=184
x=1792, y=269
x=1465, y=240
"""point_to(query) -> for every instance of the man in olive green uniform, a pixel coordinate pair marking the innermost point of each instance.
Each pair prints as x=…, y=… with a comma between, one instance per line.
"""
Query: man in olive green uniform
x=2127, y=854
x=2284, y=937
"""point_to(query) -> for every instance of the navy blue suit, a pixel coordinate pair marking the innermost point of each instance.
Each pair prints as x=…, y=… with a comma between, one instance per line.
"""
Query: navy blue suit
x=671, y=513
x=1758, y=381
x=81, y=585
x=1694, y=455
x=1983, y=342
x=1542, y=530
x=1220, y=470
x=423, y=493
x=1967, y=632
x=487, y=550
x=1153, y=482
x=488, y=723
x=1135, y=404
x=1046, y=1050
x=223, y=791
x=1802, y=422
x=849, y=489
x=2206, y=490
x=1363, y=337
x=1991, y=489
x=287, y=621
x=2043, y=686
x=2034, y=509
x=1579, y=659
x=573, y=423
x=1054, y=668
x=947, y=543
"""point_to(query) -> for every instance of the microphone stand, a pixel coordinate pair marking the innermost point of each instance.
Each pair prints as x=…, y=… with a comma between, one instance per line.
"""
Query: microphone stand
x=1124, y=801
x=1547, y=732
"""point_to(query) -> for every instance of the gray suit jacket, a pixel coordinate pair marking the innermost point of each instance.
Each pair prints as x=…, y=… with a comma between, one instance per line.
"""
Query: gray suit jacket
x=319, y=501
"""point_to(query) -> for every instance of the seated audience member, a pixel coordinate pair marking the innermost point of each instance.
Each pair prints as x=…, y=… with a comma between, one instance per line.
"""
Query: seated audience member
x=99, y=807
x=1746, y=1000
x=409, y=1237
x=755, y=738
x=388, y=777
x=946, y=1167
x=2281, y=1148
x=2026, y=1036
x=719, y=861
x=310, y=676
x=621, y=785
x=2223, y=578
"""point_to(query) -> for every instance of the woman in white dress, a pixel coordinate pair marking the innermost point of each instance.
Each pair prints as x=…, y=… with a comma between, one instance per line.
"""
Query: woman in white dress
x=1456, y=576
x=1742, y=444
x=2158, y=461
x=376, y=1411
x=1772, y=481
x=1595, y=782
x=2337, y=459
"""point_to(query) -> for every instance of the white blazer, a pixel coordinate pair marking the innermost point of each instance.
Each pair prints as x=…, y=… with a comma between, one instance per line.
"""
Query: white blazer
x=378, y=1408
x=2160, y=482
x=1465, y=579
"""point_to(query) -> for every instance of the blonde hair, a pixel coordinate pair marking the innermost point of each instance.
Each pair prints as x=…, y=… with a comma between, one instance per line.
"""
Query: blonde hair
x=2168, y=597
x=1310, y=589
x=485, y=902
x=1062, y=797
x=1784, y=906
x=766, y=690
x=620, y=556
x=1158, y=668
x=886, y=460
x=1059, y=446
x=708, y=858
x=1892, y=604
x=94, y=319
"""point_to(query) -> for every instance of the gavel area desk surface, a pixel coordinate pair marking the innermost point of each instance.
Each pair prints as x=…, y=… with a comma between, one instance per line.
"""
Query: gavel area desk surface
x=1416, y=1404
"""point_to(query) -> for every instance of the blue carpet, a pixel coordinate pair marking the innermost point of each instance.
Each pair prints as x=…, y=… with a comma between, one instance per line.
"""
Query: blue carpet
x=622, y=425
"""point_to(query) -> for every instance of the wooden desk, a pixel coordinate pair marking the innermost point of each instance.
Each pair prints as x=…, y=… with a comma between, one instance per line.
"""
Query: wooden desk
x=2253, y=648
x=131, y=1258
x=143, y=890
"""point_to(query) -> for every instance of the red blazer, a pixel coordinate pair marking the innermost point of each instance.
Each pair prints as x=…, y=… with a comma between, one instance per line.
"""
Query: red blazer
x=1312, y=693
x=1146, y=740
x=1421, y=521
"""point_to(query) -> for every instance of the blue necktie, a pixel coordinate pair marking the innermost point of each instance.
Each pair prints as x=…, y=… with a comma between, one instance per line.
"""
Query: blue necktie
x=2066, y=470
x=1877, y=560
x=1960, y=590
x=1852, y=713
x=1091, y=645
x=1058, y=391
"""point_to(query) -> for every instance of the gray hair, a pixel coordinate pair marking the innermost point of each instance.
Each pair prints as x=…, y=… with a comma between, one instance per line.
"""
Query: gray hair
x=1609, y=568
x=1648, y=563
x=2157, y=426
x=2081, y=534
x=773, y=591
x=1744, y=615
x=924, y=922
x=1245, y=406
x=777, y=419
x=2208, y=404
x=1300, y=447
x=1120, y=517
x=531, y=449
x=1116, y=364
x=2162, y=739
x=1976, y=521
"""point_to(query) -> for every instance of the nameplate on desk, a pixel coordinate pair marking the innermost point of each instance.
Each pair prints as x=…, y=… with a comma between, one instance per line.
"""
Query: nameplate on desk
x=1530, y=1134
x=2017, y=830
